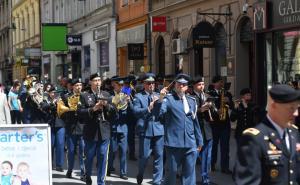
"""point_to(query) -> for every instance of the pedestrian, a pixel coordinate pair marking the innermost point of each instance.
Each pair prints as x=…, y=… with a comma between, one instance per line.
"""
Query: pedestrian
x=203, y=115
x=150, y=130
x=183, y=137
x=96, y=112
x=269, y=152
x=14, y=103
x=5, y=117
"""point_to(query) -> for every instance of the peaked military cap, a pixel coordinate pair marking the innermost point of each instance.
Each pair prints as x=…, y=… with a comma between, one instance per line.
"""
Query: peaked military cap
x=245, y=91
x=198, y=79
x=117, y=79
x=76, y=80
x=283, y=93
x=183, y=78
x=217, y=79
x=149, y=77
x=95, y=75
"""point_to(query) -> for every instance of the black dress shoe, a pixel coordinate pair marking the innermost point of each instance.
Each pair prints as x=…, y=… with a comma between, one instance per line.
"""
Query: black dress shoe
x=108, y=173
x=213, y=168
x=83, y=178
x=69, y=174
x=88, y=180
x=139, y=179
x=124, y=177
x=226, y=171
x=59, y=169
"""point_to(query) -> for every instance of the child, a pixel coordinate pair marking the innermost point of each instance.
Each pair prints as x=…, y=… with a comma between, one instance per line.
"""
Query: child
x=23, y=173
x=6, y=173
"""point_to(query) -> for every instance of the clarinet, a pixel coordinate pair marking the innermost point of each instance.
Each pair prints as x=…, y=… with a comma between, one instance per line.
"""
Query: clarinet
x=100, y=97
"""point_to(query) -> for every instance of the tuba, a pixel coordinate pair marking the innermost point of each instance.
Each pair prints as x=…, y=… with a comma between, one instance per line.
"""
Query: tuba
x=223, y=107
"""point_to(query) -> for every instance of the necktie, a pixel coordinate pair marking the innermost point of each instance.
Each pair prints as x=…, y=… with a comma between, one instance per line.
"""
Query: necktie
x=285, y=138
x=149, y=99
x=185, y=105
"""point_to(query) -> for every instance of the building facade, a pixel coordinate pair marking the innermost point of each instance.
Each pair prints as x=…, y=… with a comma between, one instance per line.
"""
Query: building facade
x=133, y=36
x=5, y=41
x=207, y=38
x=94, y=22
x=26, y=38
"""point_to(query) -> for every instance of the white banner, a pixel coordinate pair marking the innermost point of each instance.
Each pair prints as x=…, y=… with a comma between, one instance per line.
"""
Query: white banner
x=25, y=154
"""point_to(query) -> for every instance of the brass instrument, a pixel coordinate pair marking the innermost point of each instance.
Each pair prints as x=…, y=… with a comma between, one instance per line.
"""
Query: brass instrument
x=73, y=102
x=120, y=100
x=223, y=107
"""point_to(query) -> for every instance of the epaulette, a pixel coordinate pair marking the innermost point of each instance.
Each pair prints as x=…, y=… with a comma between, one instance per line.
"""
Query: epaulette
x=294, y=126
x=252, y=131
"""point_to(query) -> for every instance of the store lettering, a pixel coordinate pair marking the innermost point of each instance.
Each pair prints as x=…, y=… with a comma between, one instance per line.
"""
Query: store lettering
x=288, y=8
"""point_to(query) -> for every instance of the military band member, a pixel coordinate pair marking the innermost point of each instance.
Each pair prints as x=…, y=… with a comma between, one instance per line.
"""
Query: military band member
x=73, y=127
x=151, y=131
x=119, y=128
x=220, y=123
x=183, y=137
x=95, y=110
x=244, y=112
x=269, y=153
x=203, y=115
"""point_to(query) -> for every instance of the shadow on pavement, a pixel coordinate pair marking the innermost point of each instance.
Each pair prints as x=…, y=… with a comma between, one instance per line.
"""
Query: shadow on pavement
x=119, y=183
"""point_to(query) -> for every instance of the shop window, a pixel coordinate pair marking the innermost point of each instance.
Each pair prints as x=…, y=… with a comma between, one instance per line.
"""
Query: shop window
x=124, y=3
x=287, y=55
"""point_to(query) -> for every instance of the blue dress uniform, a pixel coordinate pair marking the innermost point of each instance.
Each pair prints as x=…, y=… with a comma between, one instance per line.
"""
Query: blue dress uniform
x=182, y=135
x=119, y=135
x=96, y=132
x=268, y=154
x=151, y=133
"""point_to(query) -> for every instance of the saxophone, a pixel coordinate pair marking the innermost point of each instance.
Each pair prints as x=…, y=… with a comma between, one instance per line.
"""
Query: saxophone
x=223, y=107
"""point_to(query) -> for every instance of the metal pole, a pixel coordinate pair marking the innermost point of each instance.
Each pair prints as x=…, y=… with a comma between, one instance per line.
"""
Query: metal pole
x=149, y=33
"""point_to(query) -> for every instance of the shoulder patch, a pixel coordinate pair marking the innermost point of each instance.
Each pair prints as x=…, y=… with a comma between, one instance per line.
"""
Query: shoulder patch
x=294, y=126
x=252, y=131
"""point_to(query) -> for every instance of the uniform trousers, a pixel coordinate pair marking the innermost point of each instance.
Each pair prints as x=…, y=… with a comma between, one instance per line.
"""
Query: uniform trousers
x=100, y=149
x=118, y=140
x=72, y=142
x=185, y=157
x=58, y=143
x=206, y=160
x=146, y=146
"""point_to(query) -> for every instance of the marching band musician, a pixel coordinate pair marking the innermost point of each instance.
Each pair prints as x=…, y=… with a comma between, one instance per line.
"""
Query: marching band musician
x=95, y=110
x=221, y=127
x=49, y=105
x=183, y=137
x=203, y=115
x=268, y=154
x=119, y=128
x=151, y=131
x=69, y=102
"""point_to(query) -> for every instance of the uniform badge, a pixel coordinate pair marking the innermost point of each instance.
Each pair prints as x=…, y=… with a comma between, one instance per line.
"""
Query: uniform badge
x=252, y=131
x=272, y=146
x=274, y=173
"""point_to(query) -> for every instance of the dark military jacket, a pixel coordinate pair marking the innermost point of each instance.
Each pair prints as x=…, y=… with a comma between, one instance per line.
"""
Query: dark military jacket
x=97, y=124
x=264, y=159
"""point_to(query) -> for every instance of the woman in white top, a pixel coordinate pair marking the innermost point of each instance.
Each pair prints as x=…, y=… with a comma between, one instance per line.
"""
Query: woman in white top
x=4, y=109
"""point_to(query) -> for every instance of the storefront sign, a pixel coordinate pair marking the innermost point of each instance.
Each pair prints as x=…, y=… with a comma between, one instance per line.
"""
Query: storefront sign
x=74, y=40
x=159, y=24
x=203, y=35
x=21, y=146
x=101, y=32
x=285, y=12
x=32, y=52
x=133, y=35
x=260, y=16
x=104, y=54
x=136, y=51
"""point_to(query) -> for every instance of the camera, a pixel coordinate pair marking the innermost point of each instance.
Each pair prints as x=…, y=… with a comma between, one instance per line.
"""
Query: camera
x=245, y=8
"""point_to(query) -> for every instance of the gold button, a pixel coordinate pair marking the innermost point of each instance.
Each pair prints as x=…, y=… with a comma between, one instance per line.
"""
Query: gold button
x=291, y=182
x=291, y=161
x=291, y=171
x=275, y=162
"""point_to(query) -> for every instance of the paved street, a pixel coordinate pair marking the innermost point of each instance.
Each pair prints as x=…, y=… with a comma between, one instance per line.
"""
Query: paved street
x=217, y=177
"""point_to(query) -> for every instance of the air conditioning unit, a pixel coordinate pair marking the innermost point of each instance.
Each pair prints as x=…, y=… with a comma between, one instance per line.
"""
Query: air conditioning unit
x=178, y=46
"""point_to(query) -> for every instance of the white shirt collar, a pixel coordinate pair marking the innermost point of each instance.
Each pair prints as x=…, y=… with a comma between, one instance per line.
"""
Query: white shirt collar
x=277, y=127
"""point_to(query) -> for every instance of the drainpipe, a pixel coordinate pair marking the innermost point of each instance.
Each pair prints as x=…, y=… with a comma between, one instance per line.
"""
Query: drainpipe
x=149, y=45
